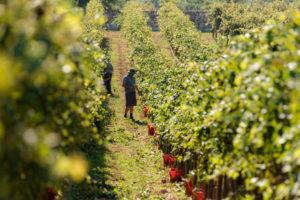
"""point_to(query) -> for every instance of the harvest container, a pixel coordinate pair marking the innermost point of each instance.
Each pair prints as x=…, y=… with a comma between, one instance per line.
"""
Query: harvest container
x=199, y=196
x=145, y=112
x=51, y=194
x=175, y=174
x=166, y=160
x=151, y=129
x=169, y=160
x=189, y=188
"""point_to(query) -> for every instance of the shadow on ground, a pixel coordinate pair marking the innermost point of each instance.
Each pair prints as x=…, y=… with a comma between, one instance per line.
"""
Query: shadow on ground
x=138, y=122
x=94, y=187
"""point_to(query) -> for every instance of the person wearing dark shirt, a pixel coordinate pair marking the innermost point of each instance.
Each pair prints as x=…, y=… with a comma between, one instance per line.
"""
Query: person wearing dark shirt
x=130, y=87
x=108, y=71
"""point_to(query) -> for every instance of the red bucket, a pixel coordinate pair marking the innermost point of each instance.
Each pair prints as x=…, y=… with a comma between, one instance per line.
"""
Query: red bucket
x=175, y=174
x=51, y=194
x=166, y=160
x=149, y=129
x=199, y=196
x=171, y=160
x=145, y=112
x=189, y=188
x=152, y=130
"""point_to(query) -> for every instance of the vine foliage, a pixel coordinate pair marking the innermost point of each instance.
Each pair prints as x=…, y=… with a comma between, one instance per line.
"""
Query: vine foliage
x=237, y=114
x=50, y=95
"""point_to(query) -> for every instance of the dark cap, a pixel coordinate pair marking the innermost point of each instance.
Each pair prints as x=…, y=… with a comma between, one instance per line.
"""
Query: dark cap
x=132, y=71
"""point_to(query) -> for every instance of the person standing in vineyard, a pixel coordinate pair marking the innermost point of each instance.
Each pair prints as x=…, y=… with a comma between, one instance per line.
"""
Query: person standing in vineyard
x=130, y=86
x=108, y=71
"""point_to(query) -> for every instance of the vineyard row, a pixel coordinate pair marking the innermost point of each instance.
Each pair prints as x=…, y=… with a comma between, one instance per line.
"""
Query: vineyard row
x=51, y=98
x=235, y=115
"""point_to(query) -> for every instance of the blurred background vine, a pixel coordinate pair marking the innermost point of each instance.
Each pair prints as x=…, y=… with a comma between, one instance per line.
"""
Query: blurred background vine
x=50, y=94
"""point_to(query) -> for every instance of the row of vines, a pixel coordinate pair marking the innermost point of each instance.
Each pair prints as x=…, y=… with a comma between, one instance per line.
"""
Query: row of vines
x=182, y=35
x=233, y=117
x=51, y=99
x=229, y=19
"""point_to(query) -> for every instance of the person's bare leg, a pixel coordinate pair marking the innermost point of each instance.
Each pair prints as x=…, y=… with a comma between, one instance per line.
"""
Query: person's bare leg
x=126, y=111
x=131, y=112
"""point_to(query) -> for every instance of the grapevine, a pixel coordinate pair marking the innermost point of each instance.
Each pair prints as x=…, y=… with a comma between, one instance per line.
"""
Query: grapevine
x=236, y=115
x=50, y=95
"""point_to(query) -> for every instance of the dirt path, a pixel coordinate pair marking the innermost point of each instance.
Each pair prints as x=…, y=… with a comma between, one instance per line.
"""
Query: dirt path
x=135, y=162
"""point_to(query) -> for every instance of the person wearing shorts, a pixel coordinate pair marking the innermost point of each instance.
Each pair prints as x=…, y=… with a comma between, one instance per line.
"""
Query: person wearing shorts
x=130, y=86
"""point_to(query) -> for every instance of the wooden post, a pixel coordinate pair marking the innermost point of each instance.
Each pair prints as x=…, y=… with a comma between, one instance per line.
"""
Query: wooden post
x=206, y=189
x=219, y=189
x=195, y=167
x=225, y=187
x=211, y=189
x=186, y=168
x=233, y=184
